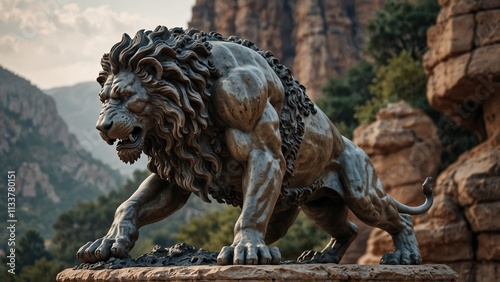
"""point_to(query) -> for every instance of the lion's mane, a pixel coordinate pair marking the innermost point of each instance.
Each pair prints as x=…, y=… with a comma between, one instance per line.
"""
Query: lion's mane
x=186, y=146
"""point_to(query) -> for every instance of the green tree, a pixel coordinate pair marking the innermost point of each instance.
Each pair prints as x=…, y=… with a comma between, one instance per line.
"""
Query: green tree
x=31, y=248
x=215, y=230
x=403, y=78
x=89, y=220
x=396, y=42
x=340, y=96
x=400, y=26
x=303, y=235
x=210, y=232
x=43, y=270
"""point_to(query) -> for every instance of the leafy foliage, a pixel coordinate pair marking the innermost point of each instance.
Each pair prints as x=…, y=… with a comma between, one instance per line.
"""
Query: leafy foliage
x=212, y=231
x=89, y=220
x=340, y=97
x=403, y=78
x=42, y=270
x=31, y=248
x=215, y=230
x=395, y=45
x=400, y=26
x=28, y=252
x=303, y=235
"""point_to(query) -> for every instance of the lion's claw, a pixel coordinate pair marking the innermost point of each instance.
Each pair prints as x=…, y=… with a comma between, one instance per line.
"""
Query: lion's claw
x=318, y=257
x=401, y=257
x=104, y=248
x=248, y=254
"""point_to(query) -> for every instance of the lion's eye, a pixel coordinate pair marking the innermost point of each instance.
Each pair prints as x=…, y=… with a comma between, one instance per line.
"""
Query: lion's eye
x=125, y=95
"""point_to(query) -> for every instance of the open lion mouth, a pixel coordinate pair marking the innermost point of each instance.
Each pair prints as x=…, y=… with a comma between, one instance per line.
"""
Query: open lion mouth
x=129, y=150
x=134, y=139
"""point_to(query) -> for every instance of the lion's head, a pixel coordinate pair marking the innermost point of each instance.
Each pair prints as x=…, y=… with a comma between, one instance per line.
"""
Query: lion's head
x=154, y=95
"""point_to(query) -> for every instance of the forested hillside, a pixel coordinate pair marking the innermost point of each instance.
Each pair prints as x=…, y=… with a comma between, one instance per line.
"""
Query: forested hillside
x=53, y=172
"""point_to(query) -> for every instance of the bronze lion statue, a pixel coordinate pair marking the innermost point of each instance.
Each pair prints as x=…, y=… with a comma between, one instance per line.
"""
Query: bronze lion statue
x=222, y=119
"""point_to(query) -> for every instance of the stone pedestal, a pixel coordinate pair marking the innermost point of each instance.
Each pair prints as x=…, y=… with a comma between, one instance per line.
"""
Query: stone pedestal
x=290, y=272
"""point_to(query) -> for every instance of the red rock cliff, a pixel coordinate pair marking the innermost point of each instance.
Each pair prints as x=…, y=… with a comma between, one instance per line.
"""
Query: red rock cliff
x=317, y=39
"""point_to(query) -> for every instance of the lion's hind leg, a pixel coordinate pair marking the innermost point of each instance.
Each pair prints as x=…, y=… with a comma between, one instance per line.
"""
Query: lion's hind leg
x=330, y=214
x=366, y=198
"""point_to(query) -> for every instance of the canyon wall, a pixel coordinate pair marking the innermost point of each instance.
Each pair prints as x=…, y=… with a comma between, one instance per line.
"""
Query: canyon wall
x=464, y=83
x=317, y=39
x=461, y=229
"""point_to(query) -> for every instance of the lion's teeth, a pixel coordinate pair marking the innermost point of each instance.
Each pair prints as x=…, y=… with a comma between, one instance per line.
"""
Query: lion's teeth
x=131, y=137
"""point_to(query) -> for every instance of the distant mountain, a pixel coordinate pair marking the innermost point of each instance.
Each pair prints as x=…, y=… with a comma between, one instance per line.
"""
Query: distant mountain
x=79, y=106
x=53, y=170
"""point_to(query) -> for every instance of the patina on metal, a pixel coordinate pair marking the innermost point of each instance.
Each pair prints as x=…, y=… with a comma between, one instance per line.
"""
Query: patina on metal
x=222, y=119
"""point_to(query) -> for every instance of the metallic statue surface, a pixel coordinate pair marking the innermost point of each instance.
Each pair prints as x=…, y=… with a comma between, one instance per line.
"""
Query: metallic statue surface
x=222, y=119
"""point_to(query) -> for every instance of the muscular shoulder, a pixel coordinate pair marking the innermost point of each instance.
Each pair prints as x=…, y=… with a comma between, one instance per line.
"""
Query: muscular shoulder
x=246, y=85
x=228, y=55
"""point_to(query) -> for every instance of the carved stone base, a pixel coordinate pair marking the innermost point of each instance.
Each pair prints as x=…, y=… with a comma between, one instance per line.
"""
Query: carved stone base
x=290, y=272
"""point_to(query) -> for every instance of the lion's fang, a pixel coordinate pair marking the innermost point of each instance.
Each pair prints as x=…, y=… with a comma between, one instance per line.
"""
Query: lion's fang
x=131, y=137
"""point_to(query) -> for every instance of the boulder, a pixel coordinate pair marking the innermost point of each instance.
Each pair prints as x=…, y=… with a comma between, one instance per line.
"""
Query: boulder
x=404, y=147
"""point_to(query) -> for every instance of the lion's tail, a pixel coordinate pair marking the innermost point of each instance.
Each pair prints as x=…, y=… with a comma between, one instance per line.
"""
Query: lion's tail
x=429, y=199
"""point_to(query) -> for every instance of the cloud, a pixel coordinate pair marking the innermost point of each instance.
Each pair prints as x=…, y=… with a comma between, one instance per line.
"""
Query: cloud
x=55, y=42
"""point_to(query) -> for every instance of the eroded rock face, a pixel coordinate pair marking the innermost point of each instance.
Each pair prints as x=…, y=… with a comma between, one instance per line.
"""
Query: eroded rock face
x=404, y=147
x=462, y=64
x=316, y=39
x=464, y=218
x=462, y=228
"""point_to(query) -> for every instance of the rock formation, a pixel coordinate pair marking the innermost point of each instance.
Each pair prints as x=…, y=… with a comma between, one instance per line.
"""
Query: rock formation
x=464, y=83
x=461, y=65
x=461, y=229
x=317, y=39
x=404, y=147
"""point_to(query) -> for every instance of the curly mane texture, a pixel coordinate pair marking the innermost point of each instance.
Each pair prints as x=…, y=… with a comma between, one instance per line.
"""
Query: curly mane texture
x=174, y=69
x=186, y=146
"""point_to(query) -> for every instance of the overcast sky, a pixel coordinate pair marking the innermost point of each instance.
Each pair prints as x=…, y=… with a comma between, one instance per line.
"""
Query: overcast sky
x=60, y=42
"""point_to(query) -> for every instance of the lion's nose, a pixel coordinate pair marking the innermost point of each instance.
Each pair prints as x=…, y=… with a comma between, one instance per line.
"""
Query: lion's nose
x=104, y=126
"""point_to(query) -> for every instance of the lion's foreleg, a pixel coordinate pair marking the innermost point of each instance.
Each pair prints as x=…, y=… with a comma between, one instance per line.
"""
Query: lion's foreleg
x=260, y=150
x=261, y=188
x=154, y=200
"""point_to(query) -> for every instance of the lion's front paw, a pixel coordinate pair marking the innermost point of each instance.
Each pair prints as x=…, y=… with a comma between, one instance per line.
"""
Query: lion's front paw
x=117, y=243
x=248, y=254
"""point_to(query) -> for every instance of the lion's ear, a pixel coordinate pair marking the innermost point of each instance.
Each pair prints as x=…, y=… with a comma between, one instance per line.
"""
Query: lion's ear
x=152, y=63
